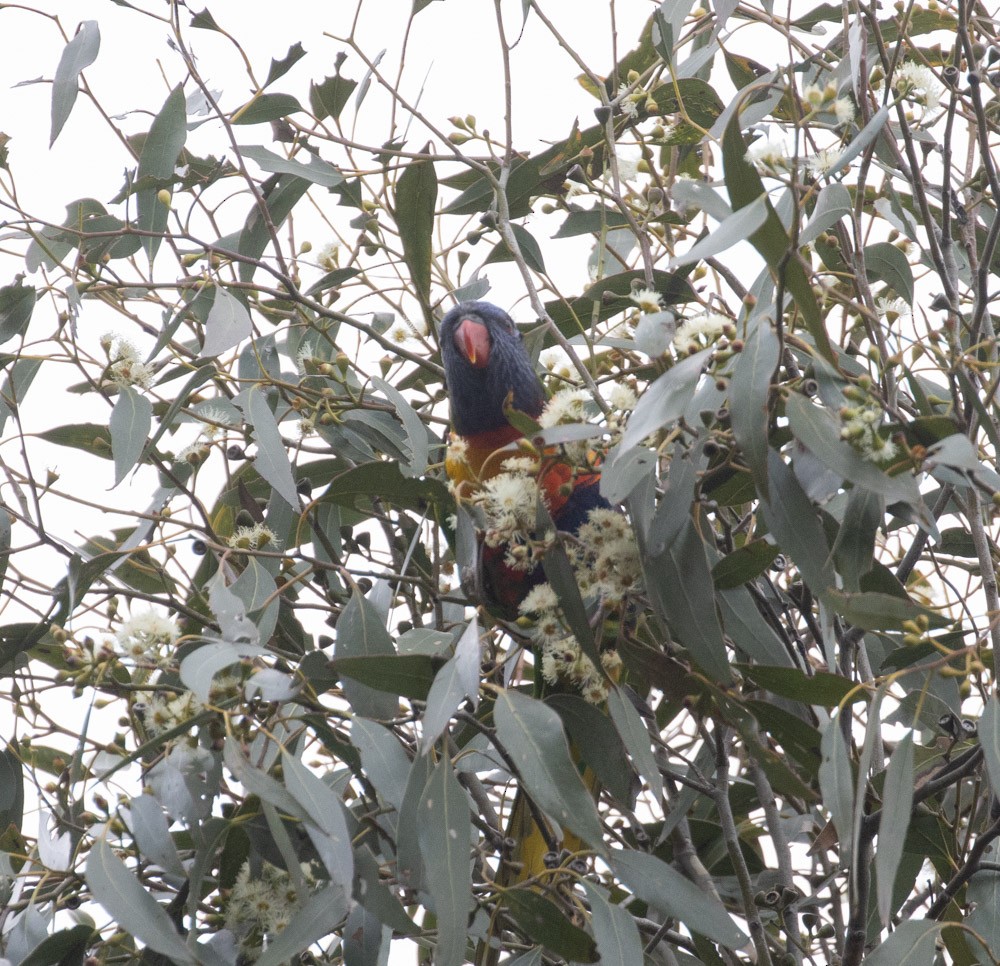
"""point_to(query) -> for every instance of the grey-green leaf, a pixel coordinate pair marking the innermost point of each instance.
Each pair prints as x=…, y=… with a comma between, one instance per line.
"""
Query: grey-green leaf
x=131, y=906
x=667, y=891
x=384, y=760
x=317, y=917
x=749, y=391
x=227, y=325
x=130, y=422
x=897, y=803
x=736, y=228
x=271, y=460
x=912, y=943
x=989, y=740
x=533, y=736
x=793, y=520
x=443, y=827
x=836, y=783
x=317, y=171
x=321, y=804
x=152, y=833
x=633, y=733
x=456, y=681
x=77, y=55
x=615, y=932
x=416, y=430
x=663, y=401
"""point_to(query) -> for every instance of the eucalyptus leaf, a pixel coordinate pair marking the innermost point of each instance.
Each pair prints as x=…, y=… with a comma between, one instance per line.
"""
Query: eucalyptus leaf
x=897, y=804
x=533, y=736
x=443, y=825
x=667, y=891
x=77, y=55
x=133, y=908
x=129, y=426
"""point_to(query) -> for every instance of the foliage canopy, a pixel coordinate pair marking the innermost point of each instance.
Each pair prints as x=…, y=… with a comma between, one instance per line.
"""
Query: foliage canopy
x=762, y=268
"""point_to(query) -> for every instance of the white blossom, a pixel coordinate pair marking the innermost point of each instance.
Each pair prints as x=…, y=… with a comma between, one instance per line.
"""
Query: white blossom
x=622, y=397
x=540, y=598
x=144, y=634
x=647, y=299
x=897, y=307
x=567, y=405
x=708, y=325
x=768, y=157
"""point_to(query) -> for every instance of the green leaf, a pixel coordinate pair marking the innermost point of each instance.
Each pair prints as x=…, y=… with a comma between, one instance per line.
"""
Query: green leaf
x=667, y=891
x=359, y=486
x=544, y=922
x=597, y=742
x=280, y=196
x=271, y=460
x=610, y=295
x=749, y=392
x=771, y=240
x=530, y=251
x=744, y=564
x=822, y=688
x=328, y=98
x=886, y=263
x=315, y=918
x=129, y=427
x=406, y=675
x=897, y=805
x=912, y=943
x=131, y=906
x=77, y=55
x=157, y=163
x=416, y=198
x=361, y=633
x=17, y=302
x=533, y=737
x=443, y=826
x=682, y=583
x=615, y=932
x=266, y=107
x=67, y=947
x=795, y=524
x=317, y=171
x=877, y=611
x=591, y=221
x=11, y=787
x=281, y=67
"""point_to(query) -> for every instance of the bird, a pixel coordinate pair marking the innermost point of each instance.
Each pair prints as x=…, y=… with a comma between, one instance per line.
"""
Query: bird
x=489, y=376
x=488, y=373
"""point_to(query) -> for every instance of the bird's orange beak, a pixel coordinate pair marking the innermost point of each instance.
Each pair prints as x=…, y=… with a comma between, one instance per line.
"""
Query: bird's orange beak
x=473, y=340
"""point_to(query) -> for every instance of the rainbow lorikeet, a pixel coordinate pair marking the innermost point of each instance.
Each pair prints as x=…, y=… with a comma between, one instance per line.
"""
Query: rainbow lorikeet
x=488, y=372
